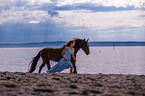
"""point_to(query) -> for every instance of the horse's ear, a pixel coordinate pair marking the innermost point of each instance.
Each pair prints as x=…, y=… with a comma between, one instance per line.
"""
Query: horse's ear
x=87, y=39
x=84, y=39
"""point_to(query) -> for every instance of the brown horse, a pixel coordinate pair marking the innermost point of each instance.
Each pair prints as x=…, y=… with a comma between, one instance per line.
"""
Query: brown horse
x=54, y=54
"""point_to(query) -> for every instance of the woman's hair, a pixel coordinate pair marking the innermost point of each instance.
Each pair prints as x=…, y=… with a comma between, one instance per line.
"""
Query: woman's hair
x=69, y=43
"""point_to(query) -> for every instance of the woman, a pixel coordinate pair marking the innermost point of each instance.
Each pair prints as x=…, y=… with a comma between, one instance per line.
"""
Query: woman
x=65, y=63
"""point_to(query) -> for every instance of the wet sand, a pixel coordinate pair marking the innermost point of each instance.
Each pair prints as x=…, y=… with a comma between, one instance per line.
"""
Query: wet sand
x=60, y=84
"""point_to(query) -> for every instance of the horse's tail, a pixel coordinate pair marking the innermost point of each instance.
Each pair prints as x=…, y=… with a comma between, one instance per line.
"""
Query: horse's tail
x=34, y=63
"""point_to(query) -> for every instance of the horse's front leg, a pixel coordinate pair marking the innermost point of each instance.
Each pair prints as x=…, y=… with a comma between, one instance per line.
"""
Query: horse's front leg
x=75, y=69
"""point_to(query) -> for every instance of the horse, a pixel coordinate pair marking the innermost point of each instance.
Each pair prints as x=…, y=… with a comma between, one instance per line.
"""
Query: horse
x=54, y=54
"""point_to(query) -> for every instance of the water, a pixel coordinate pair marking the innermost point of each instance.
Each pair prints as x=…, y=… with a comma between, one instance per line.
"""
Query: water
x=121, y=60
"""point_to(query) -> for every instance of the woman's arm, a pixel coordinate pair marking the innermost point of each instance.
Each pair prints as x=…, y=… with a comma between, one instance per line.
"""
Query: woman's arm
x=62, y=53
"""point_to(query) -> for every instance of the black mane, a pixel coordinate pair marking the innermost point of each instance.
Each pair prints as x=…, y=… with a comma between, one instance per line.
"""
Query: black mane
x=77, y=44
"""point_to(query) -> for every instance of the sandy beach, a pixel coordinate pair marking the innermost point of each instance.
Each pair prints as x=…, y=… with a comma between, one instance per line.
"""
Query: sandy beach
x=64, y=84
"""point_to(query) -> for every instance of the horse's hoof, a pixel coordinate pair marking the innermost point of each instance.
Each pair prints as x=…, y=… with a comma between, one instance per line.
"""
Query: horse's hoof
x=75, y=72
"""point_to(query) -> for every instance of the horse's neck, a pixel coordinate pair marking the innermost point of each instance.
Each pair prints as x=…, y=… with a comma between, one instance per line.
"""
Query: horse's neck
x=76, y=50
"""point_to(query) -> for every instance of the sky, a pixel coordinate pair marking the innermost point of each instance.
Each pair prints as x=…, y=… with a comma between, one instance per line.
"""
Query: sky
x=23, y=21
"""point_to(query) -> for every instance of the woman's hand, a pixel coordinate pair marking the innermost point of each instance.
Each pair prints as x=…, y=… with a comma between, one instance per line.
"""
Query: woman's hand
x=64, y=59
x=75, y=60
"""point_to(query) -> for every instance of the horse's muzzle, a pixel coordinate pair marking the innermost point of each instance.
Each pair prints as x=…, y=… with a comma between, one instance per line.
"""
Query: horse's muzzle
x=87, y=53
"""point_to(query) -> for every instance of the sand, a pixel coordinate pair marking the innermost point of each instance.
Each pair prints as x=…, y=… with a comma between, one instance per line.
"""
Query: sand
x=63, y=84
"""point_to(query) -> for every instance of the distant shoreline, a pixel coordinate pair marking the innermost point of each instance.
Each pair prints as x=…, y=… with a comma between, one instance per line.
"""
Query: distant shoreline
x=61, y=43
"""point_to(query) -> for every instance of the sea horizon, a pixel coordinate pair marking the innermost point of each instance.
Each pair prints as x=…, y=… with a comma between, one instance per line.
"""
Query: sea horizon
x=61, y=43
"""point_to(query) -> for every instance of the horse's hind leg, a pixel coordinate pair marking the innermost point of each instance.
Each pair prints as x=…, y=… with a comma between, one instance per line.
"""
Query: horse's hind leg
x=48, y=64
x=40, y=68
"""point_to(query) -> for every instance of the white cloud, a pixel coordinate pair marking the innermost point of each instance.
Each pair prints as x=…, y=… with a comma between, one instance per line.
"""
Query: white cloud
x=124, y=3
x=23, y=16
x=106, y=35
x=116, y=3
x=20, y=11
x=78, y=30
x=37, y=11
x=32, y=21
x=76, y=18
x=3, y=3
x=128, y=35
x=101, y=20
x=30, y=2
x=108, y=31
x=69, y=2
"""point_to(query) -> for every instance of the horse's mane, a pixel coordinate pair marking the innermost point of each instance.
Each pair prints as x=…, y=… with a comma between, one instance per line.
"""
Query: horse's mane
x=77, y=42
x=77, y=39
x=63, y=46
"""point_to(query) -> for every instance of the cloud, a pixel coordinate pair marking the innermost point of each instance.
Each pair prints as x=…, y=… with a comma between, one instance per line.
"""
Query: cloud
x=101, y=20
x=39, y=20
x=122, y=33
x=32, y=21
x=3, y=6
x=115, y=3
x=52, y=12
x=128, y=35
x=25, y=10
x=24, y=16
x=93, y=7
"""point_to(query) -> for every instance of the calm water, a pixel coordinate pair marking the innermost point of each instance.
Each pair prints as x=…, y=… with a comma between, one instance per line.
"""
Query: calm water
x=121, y=60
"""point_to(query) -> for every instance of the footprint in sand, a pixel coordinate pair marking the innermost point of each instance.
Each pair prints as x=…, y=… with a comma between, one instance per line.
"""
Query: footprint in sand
x=73, y=86
x=43, y=90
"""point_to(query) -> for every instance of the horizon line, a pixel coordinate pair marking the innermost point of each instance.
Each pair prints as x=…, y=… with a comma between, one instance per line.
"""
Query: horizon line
x=66, y=41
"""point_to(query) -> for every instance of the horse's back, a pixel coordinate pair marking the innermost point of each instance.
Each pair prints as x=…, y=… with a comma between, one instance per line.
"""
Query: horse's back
x=51, y=53
x=52, y=50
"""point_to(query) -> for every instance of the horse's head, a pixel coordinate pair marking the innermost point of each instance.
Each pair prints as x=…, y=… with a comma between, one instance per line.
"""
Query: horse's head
x=82, y=43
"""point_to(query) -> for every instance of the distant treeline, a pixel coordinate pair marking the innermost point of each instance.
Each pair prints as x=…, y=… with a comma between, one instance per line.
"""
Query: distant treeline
x=60, y=43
